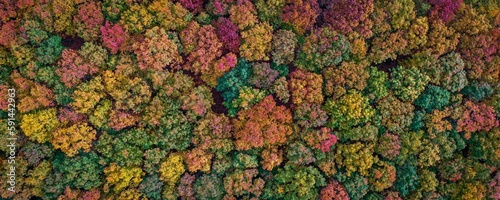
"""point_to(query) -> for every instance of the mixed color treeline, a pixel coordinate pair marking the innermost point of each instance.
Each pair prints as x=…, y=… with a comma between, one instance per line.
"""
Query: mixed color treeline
x=252, y=99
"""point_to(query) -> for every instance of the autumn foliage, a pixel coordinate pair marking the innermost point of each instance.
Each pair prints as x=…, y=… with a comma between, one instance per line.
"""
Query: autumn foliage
x=250, y=99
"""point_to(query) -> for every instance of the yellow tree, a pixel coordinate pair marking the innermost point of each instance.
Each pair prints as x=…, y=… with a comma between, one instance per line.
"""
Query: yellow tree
x=38, y=126
x=73, y=138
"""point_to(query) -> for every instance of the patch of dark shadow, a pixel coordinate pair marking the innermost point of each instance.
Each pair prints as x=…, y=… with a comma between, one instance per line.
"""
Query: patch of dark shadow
x=288, y=104
x=218, y=107
x=196, y=78
x=72, y=42
x=86, y=78
x=291, y=68
x=387, y=65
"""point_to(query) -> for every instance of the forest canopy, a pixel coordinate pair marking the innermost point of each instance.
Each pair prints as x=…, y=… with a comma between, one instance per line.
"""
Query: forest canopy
x=250, y=99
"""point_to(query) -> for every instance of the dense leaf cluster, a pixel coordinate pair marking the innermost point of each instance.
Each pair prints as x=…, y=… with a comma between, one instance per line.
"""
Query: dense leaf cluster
x=252, y=99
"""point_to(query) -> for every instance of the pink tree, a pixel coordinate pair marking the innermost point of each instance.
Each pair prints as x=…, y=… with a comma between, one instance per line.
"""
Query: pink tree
x=476, y=117
x=113, y=36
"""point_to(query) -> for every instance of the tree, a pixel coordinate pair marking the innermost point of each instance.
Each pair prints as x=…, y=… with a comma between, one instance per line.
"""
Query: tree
x=256, y=42
x=349, y=75
x=388, y=146
x=113, y=36
x=34, y=178
x=270, y=11
x=245, y=161
x=284, y=44
x=334, y=191
x=219, y=68
x=417, y=33
x=31, y=95
x=186, y=188
x=169, y=15
x=231, y=82
x=432, y=98
x=119, y=120
x=124, y=151
x=494, y=187
x=136, y=19
x=63, y=11
x=198, y=159
x=170, y=172
x=35, y=153
x=377, y=85
x=82, y=171
x=129, y=93
x=112, y=9
x=243, y=14
x=355, y=185
x=157, y=50
x=477, y=91
x=382, y=176
x=484, y=147
x=437, y=124
x=301, y=14
x=207, y=50
x=407, y=179
x=396, y=115
x=100, y=116
x=441, y=39
x=209, y=186
x=295, y=182
x=243, y=184
x=8, y=33
x=478, y=51
x=73, y=138
x=193, y=5
x=271, y=158
x=88, y=20
x=67, y=115
x=299, y=154
x=152, y=161
x=50, y=50
x=306, y=87
x=356, y=157
x=73, y=68
x=390, y=43
x=213, y=133
x=310, y=115
x=198, y=103
x=171, y=84
x=350, y=110
x=476, y=117
x=322, y=47
x=348, y=16
x=247, y=97
x=264, y=124
x=445, y=9
x=119, y=178
x=280, y=87
x=39, y=126
x=429, y=178
x=448, y=72
x=263, y=75
x=189, y=37
x=174, y=131
x=228, y=34
x=401, y=13
x=408, y=83
x=411, y=144
x=322, y=139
